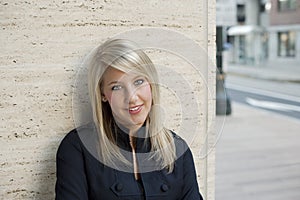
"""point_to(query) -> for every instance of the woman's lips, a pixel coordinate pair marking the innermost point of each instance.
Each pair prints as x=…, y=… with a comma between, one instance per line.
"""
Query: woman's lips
x=135, y=109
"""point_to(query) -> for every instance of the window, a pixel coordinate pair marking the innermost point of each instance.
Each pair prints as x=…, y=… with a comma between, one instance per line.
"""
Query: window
x=285, y=5
x=241, y=15
x=265, y=6
x=286, y=44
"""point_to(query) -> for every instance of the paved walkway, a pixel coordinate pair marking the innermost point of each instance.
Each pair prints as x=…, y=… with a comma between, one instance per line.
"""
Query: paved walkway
x=257, y=156
x=273, y=73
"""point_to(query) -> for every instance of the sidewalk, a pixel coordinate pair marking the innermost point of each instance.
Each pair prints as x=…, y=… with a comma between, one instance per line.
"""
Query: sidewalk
x=273, y=73
x=257, y=156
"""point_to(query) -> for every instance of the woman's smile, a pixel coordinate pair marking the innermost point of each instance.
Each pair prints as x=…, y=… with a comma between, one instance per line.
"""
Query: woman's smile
x=135, y=109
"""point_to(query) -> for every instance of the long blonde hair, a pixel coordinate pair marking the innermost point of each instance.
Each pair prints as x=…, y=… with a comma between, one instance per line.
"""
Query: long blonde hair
x=126, y=56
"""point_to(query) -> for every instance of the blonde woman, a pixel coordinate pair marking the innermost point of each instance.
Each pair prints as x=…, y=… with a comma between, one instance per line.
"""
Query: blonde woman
x=129, y=154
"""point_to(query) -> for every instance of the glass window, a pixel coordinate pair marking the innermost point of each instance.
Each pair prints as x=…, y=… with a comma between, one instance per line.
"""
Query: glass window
x=286, y=44
x=241, y=14
x=284, y=5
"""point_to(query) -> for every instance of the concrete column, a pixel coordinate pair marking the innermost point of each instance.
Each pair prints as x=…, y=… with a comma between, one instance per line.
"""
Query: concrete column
x=273, y=45
x=297, y=46
x=43, y=46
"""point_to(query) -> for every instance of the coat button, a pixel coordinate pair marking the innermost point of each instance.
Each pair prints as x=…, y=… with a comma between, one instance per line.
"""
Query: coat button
x=119, y=187
x=164, y=187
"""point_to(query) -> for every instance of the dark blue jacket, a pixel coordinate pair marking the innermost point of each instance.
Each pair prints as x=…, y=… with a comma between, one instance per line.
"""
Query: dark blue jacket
x=80, y=176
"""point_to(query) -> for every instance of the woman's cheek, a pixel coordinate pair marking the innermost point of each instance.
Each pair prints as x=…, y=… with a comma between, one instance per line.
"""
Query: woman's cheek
x=148, y=92
x=110, y=97
x=115, y=99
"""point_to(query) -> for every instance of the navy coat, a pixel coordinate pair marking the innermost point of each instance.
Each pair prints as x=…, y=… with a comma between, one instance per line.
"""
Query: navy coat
x=80, y=176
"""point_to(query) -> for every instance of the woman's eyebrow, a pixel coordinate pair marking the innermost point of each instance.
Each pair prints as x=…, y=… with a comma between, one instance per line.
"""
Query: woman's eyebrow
x=138, y=76
x=114, y=82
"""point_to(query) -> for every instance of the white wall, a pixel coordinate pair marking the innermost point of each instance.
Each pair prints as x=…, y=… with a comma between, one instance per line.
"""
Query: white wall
x=252, y=13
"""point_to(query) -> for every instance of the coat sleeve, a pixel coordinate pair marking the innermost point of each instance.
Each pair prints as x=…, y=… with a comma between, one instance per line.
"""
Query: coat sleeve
x=190, y=188
x=71, y=183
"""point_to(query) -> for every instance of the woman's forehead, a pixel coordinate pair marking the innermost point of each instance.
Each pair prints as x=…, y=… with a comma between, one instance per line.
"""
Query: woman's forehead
x=112, y=74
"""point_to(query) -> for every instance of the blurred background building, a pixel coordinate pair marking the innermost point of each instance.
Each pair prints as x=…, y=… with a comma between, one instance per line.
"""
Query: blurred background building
x=258, y=43
x=284, y=32
x=265, y=33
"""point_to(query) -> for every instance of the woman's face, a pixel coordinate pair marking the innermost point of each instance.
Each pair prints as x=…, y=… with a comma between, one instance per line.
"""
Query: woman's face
x=129, y=96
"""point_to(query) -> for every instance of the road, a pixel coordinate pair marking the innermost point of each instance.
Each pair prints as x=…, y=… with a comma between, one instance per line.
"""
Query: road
x=282, y=98
x=257, y=154
x=271, y=101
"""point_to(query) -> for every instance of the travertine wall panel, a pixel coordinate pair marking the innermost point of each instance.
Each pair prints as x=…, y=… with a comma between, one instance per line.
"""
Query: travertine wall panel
x=42, y=46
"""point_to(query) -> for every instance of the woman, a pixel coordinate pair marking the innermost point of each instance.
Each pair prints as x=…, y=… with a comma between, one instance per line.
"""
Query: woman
x=125, y=153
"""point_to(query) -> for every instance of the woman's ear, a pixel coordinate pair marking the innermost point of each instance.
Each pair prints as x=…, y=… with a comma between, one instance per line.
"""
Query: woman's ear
x=104, y=99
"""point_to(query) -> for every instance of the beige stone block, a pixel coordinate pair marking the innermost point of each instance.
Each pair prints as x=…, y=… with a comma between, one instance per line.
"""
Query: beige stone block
x=43, y=44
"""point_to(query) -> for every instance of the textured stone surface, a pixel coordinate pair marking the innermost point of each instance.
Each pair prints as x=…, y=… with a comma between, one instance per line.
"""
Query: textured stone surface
x=42, y=45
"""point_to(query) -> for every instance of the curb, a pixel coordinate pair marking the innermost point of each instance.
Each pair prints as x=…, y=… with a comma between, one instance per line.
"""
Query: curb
x=269, y=78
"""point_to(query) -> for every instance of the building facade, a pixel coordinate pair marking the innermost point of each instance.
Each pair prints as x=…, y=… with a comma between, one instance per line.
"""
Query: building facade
x=247, y=37
x=284, y=33
x=267, y=33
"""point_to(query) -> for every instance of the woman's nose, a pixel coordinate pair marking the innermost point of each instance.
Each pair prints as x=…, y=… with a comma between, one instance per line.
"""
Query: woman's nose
x=131, y=95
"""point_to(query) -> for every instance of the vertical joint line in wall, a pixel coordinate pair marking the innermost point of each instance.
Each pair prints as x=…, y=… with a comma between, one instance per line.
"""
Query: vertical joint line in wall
x=206, y=140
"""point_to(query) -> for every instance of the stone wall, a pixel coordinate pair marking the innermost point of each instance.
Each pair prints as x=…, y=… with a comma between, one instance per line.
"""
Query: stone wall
x=43, y=43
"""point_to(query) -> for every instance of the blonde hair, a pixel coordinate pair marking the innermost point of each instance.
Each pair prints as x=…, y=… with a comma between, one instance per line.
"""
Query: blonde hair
x=125, y=55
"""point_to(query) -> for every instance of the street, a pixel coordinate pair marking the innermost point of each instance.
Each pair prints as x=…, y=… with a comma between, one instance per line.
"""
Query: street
x=271, y=101
x=258, y=149
x=279, y=97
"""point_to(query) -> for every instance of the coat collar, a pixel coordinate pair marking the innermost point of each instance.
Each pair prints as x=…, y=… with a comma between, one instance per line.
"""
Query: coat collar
x=141, y=139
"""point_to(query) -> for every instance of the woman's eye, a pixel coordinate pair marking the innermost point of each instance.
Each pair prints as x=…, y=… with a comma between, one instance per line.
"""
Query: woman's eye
x=116, y=87
x=139, y=82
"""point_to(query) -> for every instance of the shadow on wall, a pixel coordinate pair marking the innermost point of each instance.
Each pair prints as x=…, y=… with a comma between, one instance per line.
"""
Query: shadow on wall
x=46, y=172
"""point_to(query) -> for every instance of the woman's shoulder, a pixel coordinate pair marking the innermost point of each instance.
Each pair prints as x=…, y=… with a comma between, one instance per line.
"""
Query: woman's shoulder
x=70, y=142
x=180, y=145
x=75, y=138
x=177, y=138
